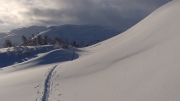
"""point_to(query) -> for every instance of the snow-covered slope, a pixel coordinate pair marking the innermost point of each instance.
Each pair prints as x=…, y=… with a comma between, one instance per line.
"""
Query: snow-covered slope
x=7, y=59
x=142, y=64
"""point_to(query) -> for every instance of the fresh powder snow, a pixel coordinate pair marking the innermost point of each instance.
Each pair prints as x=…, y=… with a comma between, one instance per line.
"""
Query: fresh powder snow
x=141, y=64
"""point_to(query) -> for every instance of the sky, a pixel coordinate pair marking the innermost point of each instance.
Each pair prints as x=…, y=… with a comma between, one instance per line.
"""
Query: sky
x=114, y=13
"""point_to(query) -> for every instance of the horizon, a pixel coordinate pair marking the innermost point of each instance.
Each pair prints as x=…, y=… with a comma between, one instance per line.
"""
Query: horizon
x=94, y=63
x=116, y=14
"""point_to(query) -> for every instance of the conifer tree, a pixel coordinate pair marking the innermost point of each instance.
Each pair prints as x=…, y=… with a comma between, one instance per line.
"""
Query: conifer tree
x=24, y=41
x=7, y=43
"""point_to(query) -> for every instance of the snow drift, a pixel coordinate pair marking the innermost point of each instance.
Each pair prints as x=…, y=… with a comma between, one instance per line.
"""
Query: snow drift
x=142, y=64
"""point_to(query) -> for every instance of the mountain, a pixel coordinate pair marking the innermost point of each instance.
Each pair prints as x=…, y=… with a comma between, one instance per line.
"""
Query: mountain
x=141, y=64
x=83, y=35
x=16, y=34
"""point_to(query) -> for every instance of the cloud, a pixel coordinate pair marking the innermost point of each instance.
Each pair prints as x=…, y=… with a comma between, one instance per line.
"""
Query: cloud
x=114, y=13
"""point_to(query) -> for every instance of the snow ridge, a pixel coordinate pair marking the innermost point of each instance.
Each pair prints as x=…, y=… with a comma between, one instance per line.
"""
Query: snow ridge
x=47, y=85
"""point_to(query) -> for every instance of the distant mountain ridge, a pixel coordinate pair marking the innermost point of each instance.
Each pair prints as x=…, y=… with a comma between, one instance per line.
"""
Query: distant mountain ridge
x=16, y=34
x=83, y=35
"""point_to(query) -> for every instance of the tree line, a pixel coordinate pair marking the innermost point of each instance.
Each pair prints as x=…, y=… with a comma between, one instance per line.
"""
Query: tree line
x=39, y=40
x=36, y=42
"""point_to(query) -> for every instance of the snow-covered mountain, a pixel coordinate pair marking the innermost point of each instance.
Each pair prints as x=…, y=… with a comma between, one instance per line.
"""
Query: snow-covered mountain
x=83, y=35
x=141, y=64
x=16, y=34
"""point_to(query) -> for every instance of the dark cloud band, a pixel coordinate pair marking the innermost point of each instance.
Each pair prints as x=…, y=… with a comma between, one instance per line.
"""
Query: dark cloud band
x=114, y=13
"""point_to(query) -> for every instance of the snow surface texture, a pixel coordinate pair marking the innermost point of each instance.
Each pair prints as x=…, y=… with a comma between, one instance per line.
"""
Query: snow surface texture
x=83, y=34
x=141, y=64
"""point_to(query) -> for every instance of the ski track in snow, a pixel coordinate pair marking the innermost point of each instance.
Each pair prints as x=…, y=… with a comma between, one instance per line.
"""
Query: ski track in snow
x=47, y=85
x=49, y=82
x=73, y=55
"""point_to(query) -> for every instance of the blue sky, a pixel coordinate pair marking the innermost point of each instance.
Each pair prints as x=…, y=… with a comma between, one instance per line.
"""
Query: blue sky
x=113, y=13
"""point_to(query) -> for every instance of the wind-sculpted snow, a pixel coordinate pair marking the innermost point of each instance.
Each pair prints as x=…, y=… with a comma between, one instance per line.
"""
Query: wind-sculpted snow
x=141, y=64
x=10, y=59
x=50, y=55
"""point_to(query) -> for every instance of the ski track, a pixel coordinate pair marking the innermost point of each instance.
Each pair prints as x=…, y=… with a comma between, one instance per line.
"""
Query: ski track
x=47, y=85
x=48, y=81
x=73, y=55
